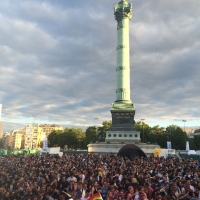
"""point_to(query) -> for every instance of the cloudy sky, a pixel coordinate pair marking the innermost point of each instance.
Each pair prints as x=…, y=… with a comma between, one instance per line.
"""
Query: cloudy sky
x=58, y=60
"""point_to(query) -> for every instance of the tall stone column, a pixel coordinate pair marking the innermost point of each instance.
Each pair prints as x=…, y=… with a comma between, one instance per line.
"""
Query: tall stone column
x=122, y=129
x=123, y=13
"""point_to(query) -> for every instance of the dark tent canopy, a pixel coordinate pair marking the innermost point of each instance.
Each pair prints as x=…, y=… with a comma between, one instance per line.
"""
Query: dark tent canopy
x=131, y=151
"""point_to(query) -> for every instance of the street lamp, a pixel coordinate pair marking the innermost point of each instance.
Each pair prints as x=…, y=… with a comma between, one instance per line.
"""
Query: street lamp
x=96, y=118
x=143, y=128
x=184, y=123
x=34, y=117
x=184, y=127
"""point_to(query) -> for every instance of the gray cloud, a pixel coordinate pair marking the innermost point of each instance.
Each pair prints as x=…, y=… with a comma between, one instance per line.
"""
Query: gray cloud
x=58, y=61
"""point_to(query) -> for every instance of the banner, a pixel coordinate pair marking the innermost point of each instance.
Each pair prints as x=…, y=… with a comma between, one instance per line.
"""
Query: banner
x=187, y=146
x=169, y=145
x=45, y=143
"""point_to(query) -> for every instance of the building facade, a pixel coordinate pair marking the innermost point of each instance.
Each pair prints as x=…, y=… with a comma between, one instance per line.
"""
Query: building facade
x=5, y=140
x=48, y=128
x=34, y=134
x=16, y=138
x=197, y=132
x=30, y=137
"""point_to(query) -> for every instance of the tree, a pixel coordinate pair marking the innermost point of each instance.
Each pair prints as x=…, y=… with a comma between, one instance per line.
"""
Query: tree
x=91, y=134
x=53, y=138
x=1, y=144
x=41, y=144
x=72, y=137
x=80, y=134
x=102, y=130
x=177, y=137
x=145, y=131
x=69, y=138
x=158, y=136
x=193, y=144
x=197, y=141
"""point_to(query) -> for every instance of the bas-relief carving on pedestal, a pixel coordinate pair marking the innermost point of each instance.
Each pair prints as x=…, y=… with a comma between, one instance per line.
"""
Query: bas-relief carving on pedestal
x=122, y=120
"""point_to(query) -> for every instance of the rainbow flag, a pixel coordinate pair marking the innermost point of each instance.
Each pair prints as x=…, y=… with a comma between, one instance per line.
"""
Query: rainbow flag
x=96, y=196
x=101, y=174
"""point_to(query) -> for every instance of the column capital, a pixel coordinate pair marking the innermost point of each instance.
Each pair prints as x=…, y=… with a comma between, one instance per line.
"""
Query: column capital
x=123, y=10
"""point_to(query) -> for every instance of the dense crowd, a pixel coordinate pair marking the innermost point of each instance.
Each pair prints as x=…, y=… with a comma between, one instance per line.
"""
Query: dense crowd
x=50, y=177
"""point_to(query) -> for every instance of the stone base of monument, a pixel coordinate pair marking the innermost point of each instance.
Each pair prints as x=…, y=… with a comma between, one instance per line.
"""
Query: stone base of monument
x=123, y=136
x=114, y=147
x=115, y=140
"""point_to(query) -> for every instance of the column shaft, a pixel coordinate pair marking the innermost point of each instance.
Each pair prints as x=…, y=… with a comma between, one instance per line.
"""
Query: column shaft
x=123, y=61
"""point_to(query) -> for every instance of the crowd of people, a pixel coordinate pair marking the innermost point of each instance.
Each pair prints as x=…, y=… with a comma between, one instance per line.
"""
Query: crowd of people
x=78, y=176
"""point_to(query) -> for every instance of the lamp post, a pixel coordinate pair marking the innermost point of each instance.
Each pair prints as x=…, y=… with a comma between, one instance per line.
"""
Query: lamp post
x=96, y=118
x=143, y=128
x=34, y=117
x=184, y=123
x=184, y=127
x=33, y=135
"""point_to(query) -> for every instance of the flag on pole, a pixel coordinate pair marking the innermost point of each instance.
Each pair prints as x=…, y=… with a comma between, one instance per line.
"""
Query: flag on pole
x=187, y=146
x=101, y=174
x=169, y=145
x=96, y=196
x=45, y=143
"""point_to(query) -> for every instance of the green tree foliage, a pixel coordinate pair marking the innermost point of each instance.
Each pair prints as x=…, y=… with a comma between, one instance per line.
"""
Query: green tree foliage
x=177, y=137
x=81, y=139
x=78, y=139
x=145, y=131
x=91, y=134
x=69, y=138
x=73, y=138
x=1, y=144
x=102, y=130
x=192, y=144
x=41, y=144
x=53, y=138
x=197, y=141
x=158, y=135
